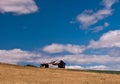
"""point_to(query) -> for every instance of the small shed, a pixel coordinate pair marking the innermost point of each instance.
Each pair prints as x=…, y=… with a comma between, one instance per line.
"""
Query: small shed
x=44, y=65
x=58, y=63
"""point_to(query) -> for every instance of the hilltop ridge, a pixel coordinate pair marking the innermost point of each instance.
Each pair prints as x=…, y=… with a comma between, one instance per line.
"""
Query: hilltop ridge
x=14, y=74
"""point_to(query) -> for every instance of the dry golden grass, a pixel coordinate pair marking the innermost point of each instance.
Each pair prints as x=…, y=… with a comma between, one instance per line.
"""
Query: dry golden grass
x=10, y=74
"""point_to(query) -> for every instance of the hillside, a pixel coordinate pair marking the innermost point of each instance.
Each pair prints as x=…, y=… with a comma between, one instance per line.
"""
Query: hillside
x=12, y=74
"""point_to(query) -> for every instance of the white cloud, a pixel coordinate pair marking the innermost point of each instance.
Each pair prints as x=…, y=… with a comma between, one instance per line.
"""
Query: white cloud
x=96, y=67
x=107, y=40
x=90, y=17
x=74, y=67
x=89, y=59
x=18, y=6
x=99, y=67
x=100, y=28
x=106, y=24
x=15, y=56
x=87, y=18
x=115, y=67
x=108, y=3
x=104, y=67
x=58, y=48
x=114, y=52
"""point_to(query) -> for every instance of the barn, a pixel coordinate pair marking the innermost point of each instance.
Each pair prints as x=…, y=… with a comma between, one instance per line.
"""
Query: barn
x=57, y=64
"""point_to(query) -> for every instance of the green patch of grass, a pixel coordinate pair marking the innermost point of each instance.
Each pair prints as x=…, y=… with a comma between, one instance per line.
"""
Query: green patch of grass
x=97, y=71
x=105, y=71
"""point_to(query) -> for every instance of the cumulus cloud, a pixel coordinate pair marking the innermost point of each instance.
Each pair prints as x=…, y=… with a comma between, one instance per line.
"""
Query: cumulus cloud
x=97, y=67
x=104, y=67
x=90, y=59
x=18, y=6
x=114, y=52
x=74, y=67
x=108, y=3
x=90, y=17
x=58, y=48
x=16, y=56
x=107, y=40
x=99, y=28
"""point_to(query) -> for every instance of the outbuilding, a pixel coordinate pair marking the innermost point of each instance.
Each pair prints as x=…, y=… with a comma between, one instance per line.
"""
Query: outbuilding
x=58, y=63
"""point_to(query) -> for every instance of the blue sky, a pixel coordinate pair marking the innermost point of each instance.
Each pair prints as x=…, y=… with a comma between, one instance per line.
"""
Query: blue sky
x=83, y=33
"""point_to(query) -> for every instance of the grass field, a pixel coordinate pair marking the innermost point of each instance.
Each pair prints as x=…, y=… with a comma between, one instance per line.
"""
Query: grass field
x=11, y=74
